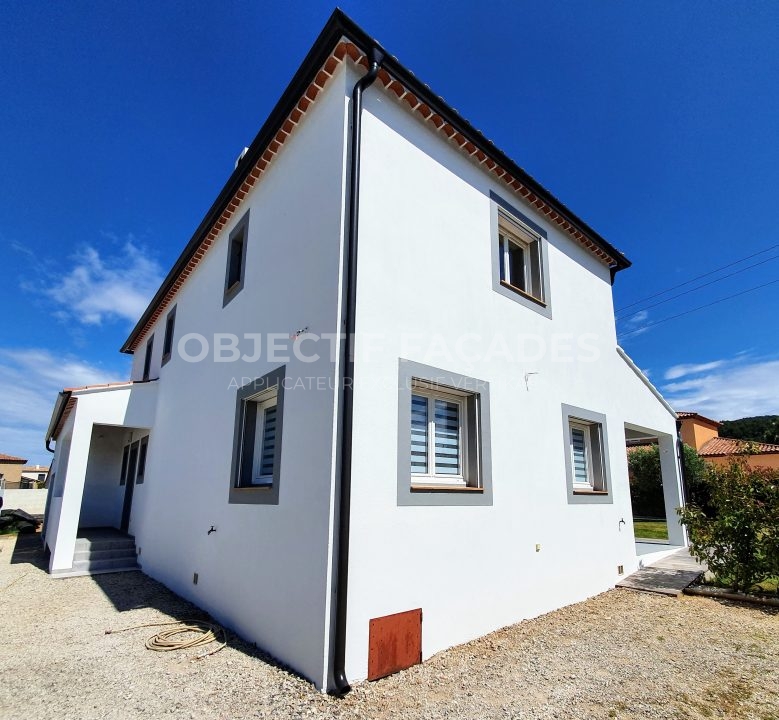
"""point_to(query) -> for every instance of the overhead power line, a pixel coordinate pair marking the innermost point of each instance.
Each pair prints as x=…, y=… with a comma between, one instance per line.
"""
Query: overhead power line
x=699, y=287
x=698, y=277
x=700, y=307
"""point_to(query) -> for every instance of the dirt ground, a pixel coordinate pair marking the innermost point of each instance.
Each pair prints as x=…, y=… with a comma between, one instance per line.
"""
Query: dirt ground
x=619, y=655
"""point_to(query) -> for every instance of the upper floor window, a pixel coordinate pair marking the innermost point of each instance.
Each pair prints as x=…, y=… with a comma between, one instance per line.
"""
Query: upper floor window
x=167, y=343
x=521, y=266
x=147, y=358
x=519, y=257
x=236, y=259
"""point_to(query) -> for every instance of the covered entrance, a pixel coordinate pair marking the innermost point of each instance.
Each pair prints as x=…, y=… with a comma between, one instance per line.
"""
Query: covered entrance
x=99, y=466
x=655, y=492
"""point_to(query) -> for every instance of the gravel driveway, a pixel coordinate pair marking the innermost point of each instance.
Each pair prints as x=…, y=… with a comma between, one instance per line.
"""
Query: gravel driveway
x=619, y=655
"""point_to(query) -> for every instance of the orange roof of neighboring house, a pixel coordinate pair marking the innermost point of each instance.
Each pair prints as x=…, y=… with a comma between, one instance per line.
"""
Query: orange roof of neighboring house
x=35, y=468
x=728, y=446
x=685, y=415
x=11, y=459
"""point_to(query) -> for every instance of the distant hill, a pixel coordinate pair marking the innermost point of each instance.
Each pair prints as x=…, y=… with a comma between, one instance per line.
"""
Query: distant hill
x=763, y=428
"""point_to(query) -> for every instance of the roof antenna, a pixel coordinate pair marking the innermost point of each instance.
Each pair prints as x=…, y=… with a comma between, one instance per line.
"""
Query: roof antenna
x=241, y=157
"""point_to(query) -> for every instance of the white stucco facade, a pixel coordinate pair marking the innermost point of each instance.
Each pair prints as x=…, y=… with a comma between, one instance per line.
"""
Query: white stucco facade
x=425, y=270
x=425, y=296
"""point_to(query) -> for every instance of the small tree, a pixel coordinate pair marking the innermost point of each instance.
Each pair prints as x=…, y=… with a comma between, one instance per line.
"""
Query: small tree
x=695, y=468
x=738, y=535
x=646, y=480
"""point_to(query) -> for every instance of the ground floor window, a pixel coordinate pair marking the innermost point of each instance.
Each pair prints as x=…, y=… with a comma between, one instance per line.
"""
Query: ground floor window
x=443, y=438
x=256, y=466
x=586, y=461
x=438, y=437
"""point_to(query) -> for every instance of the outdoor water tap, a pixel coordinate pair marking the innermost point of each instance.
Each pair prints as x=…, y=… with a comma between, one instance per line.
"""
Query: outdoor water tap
x=213, y=529
x=621, y=522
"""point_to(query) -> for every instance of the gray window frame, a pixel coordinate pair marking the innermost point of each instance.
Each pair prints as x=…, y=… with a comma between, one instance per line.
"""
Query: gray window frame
x=168, y=335
x=143, y=454
x=497, y=203
x=600, y=459
x=270, y=384
x=148, y=358
x=241, y=228
x=479, y=452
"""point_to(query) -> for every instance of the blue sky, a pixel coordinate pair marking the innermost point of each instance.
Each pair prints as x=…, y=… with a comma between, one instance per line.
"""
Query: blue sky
x=655, y=122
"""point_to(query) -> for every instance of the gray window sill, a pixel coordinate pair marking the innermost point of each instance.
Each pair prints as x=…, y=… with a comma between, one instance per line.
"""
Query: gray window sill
x=446, y=488
x=528, y=296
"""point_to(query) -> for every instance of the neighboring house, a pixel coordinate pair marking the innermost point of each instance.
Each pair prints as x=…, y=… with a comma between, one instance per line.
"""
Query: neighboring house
x=34, y=476
x=448, y=466
x=702, y=433
x=11, y=470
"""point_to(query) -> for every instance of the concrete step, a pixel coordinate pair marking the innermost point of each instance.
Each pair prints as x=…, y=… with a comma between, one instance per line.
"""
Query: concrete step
x=115, y=564
x=104, y=544
x=109, y=554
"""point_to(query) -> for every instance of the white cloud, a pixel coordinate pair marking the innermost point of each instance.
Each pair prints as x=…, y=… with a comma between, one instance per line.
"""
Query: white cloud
x=678, y=371
x=106, y=286
x=729, y=390
x=29, y=382
x=634, y=324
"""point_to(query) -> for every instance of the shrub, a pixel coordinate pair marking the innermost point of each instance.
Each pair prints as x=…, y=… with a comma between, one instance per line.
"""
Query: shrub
x=695, y=469
x=646, y=482
x=738, y=535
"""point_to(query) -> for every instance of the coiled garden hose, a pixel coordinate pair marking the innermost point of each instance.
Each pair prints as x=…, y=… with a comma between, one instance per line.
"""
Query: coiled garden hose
x=166, y=640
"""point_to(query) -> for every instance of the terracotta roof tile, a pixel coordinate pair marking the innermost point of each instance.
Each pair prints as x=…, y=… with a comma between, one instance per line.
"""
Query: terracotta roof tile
x=684, y=415
x=720, y=446
x=11, y=459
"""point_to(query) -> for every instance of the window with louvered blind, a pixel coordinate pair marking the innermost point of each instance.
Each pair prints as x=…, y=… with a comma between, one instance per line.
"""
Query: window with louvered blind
x=587, y=465
x=264, y=443
x=438, y=437
x=581, y=452
x=257, y=443
x=444, y=450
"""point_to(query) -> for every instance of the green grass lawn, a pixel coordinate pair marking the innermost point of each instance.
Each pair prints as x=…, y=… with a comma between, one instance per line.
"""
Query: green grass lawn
x=650, y=529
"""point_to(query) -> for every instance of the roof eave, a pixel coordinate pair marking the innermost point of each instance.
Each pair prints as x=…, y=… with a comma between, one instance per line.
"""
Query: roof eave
x=56, y=415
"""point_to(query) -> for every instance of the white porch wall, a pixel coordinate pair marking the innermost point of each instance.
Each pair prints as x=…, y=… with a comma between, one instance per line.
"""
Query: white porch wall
x=265, y=571
x=59, y=467
x=103, y=495
x=425, y=268
x=129, y=405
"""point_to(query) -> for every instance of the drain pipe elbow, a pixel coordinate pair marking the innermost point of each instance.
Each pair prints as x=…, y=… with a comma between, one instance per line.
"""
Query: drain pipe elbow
x=340, y=682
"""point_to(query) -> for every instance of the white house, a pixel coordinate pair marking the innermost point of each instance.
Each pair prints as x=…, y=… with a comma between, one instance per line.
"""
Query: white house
x=463, y=469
